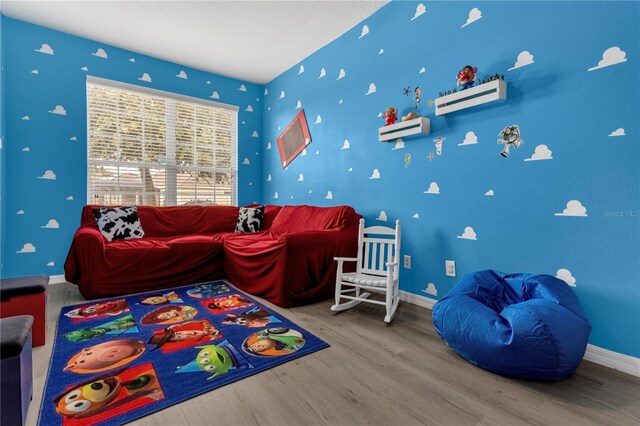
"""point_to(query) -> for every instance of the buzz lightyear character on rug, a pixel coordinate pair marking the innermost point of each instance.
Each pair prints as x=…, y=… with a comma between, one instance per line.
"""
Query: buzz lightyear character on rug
x=125, y=324
x=215, y=360
x=438, y=141
x=274, y=342
x=510, y=135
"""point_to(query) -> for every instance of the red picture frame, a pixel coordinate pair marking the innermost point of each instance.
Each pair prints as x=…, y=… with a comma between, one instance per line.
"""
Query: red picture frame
x=294, y=139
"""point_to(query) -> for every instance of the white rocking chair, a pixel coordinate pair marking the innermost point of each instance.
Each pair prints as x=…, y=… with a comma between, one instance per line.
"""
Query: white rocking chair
x=377, y=270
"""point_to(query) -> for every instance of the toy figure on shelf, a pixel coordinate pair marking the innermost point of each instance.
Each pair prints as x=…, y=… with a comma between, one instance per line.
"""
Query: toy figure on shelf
x=410, y=116
x=391, y=116
x=467, y=77
x=416, y=95
x=510, y=135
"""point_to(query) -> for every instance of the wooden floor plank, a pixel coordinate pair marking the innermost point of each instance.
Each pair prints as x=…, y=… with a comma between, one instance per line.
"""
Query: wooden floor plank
x=376, y=374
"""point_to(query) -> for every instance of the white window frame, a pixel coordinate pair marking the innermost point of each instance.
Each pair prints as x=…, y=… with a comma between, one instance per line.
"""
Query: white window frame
x=170, y=167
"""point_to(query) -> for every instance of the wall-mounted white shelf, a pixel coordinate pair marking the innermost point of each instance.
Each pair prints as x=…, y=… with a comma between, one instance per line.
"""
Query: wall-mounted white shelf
x=473, y=96
x=404, y=128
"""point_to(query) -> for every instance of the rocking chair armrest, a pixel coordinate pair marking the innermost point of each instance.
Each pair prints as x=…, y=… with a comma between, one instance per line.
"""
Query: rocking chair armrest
x=392, y=263
x=345, y=259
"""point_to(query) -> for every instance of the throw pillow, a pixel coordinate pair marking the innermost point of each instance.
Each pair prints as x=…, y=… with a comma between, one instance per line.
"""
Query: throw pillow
x=118, y=223
x=250, y=219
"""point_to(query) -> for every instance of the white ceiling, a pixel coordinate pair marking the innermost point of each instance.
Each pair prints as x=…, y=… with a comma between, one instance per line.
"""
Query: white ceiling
x=250, y=40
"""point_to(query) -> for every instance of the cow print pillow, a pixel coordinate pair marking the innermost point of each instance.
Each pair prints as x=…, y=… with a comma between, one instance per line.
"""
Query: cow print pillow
x=118, y=223
x=250, y=219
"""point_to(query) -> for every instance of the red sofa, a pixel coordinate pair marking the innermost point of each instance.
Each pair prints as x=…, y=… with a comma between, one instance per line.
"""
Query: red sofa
x=290, y=262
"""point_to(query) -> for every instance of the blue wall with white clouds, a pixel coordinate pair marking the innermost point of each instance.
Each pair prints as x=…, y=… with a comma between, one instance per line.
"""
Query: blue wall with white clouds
x=586, y=118
x=45, y=68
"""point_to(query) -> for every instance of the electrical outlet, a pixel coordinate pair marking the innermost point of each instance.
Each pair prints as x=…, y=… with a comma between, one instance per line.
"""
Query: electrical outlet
x=407, y=262
x=450, y=268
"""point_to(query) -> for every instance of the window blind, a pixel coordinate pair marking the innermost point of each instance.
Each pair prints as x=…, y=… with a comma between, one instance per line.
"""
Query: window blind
x=156, y=148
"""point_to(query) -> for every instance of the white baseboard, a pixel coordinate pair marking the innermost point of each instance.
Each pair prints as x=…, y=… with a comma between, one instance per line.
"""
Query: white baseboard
x=56, y=279
x=617, y=361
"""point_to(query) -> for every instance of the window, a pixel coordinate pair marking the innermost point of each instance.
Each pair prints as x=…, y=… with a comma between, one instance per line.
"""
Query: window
x=157, y=148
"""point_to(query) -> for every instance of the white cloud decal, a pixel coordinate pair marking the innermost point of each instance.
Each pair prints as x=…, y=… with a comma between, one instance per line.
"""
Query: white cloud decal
x=73, y=138
x=433, y=189
x=399, y=144
x=340, y=102
x=266, y=92
x=617, y=132
x=365, y=31
x=574, y=208
x=254, y=134
x=301, y=178
x=275, y=196
x=36, y=72
x=524, y=58
x=329, y=196
x=249, y=108
x=468, y=234
x=84, y=69
x=269, y=178
x=299, y=105
x=242, y=88
x=323, y=73
x=565, y=275
x=145, y=77
x=48, y=174
x=100, y=53
x=416, y=216
x=182, y=75
x=215, y=95
x=382, y=216
x=420, y=10
x=469, y=139
x=52, y=263
x=45, y=48
x=304, y=152
x=281, y=94
x=342, y=74
x=269, y=145
x=318, y=120
x=51, y=224
x=350, y=169
x=346, y=144
x=20, y=212
x=246, y=161
x=542, y=152
x=59, y=110
x=26, y=118
x=27, y=248
x=474, y=15
x=611, y=56
x=372, y=89
x=422, y=70
x=132, y=59
x=375, y=174
x=431, y=289
x=489, y=193
x=26, y=149
x=301, y=70
x=70, y=198
x=380, y=52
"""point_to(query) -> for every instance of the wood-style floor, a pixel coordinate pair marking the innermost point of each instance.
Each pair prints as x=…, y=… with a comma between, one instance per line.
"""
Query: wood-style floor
x=382, y=375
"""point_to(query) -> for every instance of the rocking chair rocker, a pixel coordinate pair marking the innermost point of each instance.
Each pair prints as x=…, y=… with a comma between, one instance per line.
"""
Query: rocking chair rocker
x=377, y=270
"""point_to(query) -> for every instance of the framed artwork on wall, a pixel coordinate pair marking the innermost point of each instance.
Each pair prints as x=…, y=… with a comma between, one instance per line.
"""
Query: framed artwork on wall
x=294, y=139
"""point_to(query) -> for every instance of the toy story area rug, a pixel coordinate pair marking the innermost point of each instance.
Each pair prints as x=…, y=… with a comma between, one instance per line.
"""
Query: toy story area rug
x=117, y=360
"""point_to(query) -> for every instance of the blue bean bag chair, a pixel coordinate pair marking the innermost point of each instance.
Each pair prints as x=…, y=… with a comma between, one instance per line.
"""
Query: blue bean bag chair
x=519, y=325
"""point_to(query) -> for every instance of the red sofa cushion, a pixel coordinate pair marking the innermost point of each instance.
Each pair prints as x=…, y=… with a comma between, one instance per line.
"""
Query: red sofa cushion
x=160, y=222
x=310, y=218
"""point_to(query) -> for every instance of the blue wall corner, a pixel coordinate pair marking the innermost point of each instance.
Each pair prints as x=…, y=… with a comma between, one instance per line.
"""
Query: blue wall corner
x=513, y=214
x=45, y=68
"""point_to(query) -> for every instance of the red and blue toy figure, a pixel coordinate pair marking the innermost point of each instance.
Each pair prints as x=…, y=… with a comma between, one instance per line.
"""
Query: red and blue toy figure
x=467, y=76
x=391, y=115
